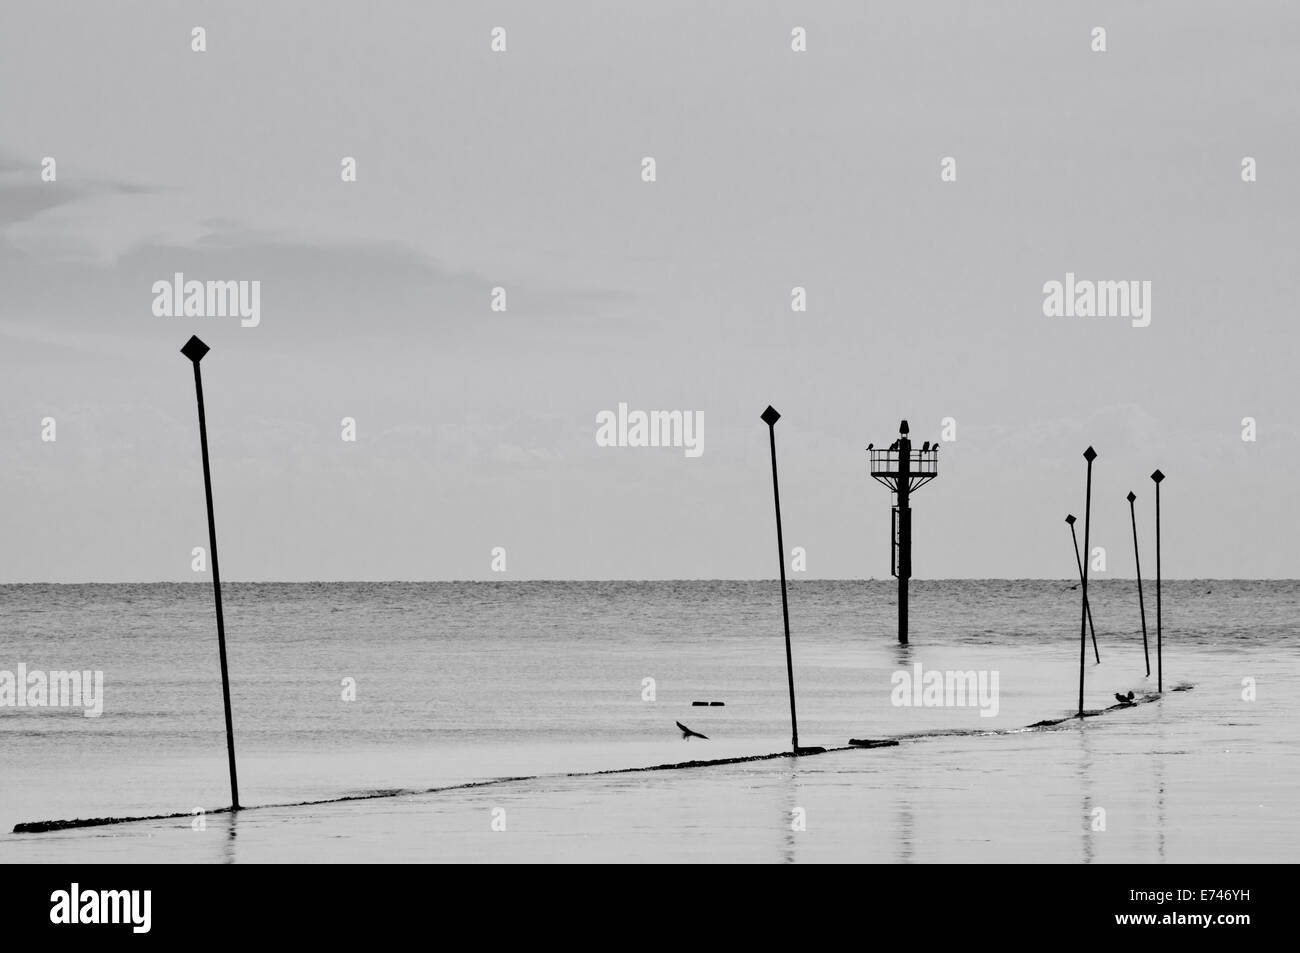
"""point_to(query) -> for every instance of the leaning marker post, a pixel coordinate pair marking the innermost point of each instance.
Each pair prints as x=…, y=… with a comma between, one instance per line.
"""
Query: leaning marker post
x=195, y=349
x=1137, y=561
x=1089, y=455
x=770, y=417
x=1069, y=518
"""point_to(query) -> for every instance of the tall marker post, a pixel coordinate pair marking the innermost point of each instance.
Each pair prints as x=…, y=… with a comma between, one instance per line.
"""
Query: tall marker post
x=770, y=417
x=195, y=349
x=1160, y=670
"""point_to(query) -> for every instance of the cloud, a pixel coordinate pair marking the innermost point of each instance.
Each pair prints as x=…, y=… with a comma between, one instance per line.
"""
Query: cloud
x=336, y=302
x=24, y=196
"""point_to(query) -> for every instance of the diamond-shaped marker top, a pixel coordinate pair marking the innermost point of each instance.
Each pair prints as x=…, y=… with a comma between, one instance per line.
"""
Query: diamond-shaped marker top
x=1131, y=496
x=1090, y=454
x=1157, y=476
x=1070, y=519
x=770, y=416
x=194, y=349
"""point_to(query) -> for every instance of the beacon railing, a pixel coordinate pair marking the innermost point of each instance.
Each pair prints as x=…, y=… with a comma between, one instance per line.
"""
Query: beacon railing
x=923, y=466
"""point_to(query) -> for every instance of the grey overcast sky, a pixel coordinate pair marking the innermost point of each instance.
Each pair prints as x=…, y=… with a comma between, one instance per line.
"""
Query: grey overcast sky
x=522, y=169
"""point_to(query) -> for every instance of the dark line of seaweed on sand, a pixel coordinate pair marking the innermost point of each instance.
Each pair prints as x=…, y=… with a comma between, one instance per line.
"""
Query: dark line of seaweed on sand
x=41, y=827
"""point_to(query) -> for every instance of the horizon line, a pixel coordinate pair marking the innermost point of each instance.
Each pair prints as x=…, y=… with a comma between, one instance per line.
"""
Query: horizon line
x=699, y=579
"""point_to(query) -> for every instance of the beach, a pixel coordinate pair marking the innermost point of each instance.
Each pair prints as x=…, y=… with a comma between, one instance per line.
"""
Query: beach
x=465, y=683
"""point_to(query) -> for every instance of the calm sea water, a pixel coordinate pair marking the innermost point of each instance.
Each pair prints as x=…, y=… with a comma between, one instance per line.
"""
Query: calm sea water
x=463, y=682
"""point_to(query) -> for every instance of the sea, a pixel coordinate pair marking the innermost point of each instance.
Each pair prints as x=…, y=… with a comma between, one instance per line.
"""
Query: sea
x=501, y=722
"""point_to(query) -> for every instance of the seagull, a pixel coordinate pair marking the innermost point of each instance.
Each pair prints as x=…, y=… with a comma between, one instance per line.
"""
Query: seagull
x=871, y=446
x=925, y=447
x=688, y=734
x=1124, y=699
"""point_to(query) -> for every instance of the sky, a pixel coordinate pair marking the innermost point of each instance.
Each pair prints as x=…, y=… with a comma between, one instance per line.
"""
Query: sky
x=523, y=170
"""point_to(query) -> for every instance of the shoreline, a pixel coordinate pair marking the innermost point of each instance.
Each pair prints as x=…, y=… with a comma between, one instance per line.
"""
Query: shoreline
x=49, y=826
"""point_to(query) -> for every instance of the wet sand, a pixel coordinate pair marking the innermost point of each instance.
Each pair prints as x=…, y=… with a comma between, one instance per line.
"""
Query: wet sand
x=1169, y=794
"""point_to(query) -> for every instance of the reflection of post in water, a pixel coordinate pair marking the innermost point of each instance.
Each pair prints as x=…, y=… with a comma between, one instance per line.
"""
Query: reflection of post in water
x=906, y=830
x=1085, y=786
x=230, y=839
x=791, y=795
x=1159, y=760
x=903, y=656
